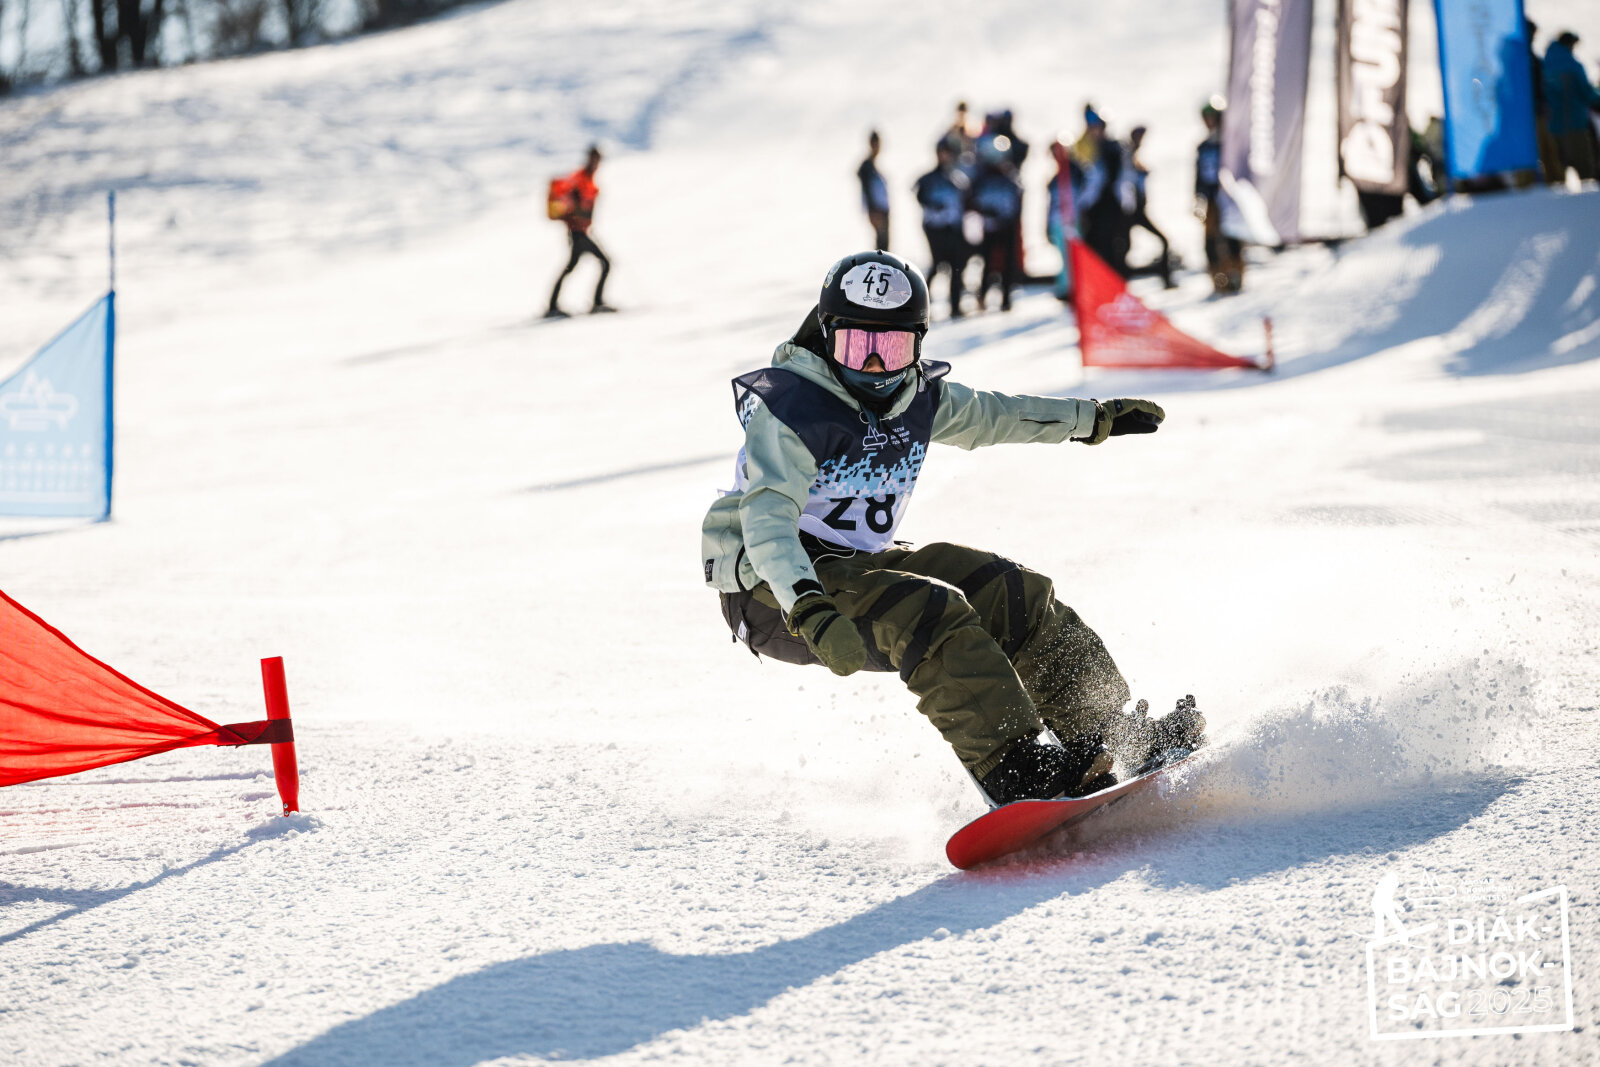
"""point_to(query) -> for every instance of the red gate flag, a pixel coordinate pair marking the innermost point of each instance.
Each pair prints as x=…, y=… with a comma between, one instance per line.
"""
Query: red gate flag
x=1116, y=330
x=63, y=711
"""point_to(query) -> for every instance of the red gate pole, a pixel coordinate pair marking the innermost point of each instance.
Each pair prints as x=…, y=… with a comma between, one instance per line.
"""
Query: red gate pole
x=284, y=766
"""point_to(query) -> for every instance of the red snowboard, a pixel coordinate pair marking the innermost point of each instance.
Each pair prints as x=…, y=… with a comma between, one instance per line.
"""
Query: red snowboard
x=1017, y=825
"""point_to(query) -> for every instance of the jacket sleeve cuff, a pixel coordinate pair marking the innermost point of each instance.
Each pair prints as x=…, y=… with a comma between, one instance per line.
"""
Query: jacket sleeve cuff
x=1085, y=422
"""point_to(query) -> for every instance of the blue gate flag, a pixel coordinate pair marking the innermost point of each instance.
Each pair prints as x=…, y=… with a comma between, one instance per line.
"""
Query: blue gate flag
x=1488, y=87
x=55, y=423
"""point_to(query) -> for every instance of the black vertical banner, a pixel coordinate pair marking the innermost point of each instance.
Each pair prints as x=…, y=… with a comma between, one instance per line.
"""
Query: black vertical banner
x=1264, y=125
x=1374, y=135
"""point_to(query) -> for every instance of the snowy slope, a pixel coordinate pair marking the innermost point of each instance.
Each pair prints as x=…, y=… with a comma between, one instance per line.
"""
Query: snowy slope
x=550, y=811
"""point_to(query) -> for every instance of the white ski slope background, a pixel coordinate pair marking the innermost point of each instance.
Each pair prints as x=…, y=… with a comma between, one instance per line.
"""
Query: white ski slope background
x=550, y=811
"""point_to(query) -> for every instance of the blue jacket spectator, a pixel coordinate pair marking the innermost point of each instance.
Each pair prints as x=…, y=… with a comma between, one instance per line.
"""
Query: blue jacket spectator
x=1570, y=97
x=1566, y=87
x=942, y=192
x=997, y=196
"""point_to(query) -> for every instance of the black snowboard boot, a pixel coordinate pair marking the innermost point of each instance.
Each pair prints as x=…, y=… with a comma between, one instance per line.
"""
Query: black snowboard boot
x=1142, y=744
x=1036, y=769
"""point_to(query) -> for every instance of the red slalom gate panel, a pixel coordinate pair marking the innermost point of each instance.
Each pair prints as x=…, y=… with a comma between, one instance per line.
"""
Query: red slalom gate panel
x=1115, y=329
x=63, y=711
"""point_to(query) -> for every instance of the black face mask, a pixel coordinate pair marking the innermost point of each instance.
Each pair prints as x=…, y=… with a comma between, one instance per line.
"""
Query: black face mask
x=873, y=387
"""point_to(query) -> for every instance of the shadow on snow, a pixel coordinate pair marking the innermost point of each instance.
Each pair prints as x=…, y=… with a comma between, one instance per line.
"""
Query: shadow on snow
x=608, y=998
x=79, y=901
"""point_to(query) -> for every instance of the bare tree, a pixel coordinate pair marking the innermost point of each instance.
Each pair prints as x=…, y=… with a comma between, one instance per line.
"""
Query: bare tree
x=20, y=69
x=140, y=26
x=103, y=17
x=236, y=26
x=5, y=79
x=185, y=14
x=383, y=13
x=70, y=10
x=127, y=32
x=302, y=19
x=102, y=36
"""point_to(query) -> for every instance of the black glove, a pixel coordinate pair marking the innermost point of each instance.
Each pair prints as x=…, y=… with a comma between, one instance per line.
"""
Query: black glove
x=1113, y=418
x=830, y=636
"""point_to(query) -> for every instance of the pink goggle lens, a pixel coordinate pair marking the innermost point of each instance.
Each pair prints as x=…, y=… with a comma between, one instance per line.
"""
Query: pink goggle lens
x=852, y=348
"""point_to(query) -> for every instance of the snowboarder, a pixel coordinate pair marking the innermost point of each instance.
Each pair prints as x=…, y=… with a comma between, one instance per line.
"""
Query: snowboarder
x=572, y=201
x=802, y=549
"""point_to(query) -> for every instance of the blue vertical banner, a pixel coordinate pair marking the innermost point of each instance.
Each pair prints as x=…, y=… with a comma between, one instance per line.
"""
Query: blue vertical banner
x=56, y=424
x=1488, y=87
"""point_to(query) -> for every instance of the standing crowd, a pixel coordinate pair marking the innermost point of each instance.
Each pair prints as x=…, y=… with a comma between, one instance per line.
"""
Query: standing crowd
x=971, y=204
x=971, y=200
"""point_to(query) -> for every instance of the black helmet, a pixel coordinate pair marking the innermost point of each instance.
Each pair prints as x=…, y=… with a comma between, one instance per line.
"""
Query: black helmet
x=880, y=292
x=874, y=289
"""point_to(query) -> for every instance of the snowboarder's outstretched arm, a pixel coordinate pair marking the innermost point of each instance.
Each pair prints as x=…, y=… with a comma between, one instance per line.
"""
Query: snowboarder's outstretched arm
x=969, y=418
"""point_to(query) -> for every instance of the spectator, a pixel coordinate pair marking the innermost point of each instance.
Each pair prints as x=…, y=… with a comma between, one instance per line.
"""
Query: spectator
x=959, y=138
x=1549, y=153
x=1378, y=208
x=1570, y=97
x=942, y=192
x=1101, y=217
x=1136, y=175
x=1083, y=149
x=1424, y=188
x=1001, y=124
x=875, y=193
x=997, y=197
x=1061, y=224
x=572, y=201
x=1224, y=254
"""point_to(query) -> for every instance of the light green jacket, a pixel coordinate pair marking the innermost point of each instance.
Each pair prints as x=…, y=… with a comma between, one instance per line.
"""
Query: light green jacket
x=753, y=536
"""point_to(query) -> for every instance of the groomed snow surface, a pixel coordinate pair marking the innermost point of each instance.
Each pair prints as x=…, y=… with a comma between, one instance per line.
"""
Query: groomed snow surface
x=550, y=812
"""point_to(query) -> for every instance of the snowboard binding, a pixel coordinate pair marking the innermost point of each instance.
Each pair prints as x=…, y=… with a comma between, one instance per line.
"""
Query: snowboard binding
x=1045, y=768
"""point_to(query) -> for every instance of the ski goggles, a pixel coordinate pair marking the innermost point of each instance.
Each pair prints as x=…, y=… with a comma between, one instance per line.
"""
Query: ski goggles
x=853, y=346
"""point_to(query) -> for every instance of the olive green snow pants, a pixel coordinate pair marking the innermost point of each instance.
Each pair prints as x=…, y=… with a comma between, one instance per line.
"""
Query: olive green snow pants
x=983, y=643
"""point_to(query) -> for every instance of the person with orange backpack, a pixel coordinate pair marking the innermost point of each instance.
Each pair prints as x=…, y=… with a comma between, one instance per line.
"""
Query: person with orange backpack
x=571, y=201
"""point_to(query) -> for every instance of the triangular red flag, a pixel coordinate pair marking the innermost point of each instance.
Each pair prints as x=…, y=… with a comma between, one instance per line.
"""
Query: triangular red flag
x=63, y=711
x=1116, y=330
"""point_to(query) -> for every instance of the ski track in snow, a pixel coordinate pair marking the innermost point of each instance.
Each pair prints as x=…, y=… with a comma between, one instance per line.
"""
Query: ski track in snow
x=550, y=811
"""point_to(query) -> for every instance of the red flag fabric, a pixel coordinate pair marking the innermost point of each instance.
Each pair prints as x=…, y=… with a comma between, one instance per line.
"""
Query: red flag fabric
x=62, y=710
x=1116, y=330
